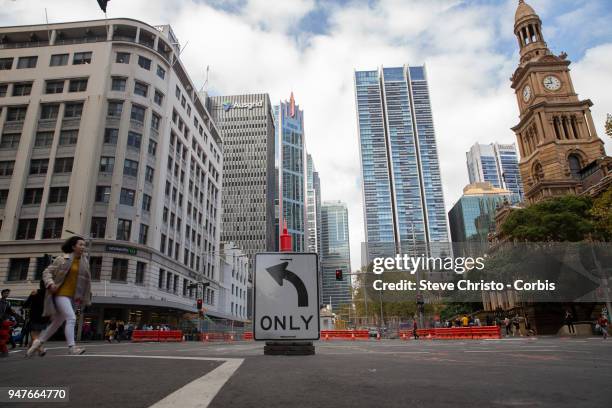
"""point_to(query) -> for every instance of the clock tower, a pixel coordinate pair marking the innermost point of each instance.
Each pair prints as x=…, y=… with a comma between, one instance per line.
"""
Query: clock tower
x=556, y=134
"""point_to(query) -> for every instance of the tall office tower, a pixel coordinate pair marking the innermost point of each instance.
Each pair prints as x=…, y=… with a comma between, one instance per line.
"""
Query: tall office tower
x=313, y=206
x=472, y=217
x=496, y=164
x=103, y=136
x=247, y=129
x=335, y=254
x=292, y=171
x=402, y=189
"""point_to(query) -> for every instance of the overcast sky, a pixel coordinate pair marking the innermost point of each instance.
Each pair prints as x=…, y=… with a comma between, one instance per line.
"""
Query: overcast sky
x=312, y=47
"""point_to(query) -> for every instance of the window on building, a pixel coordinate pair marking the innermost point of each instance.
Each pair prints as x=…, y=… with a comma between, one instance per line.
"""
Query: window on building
x=161, y=72
x=107, y=164
x=22, y=88
x=49, y=112
x=3, y=90
x=54, y=87
x=152, y=147
x=138, y=113
x=26, y=229
x=149, y=173
x=6, y=168
x=27, y=62
x=127, y=197
x=124, y=229
x=10, y=140
x=95, y=267
x=81, y=58
x=160, y=283
x=58, y=60
x=63, y=165
x=103, y=194
x=574, y=165
x=158, y=97
x=68, y=137
x=177, y=92
x=144, y=62
x=16, y=113
x=114, y=108
x=162, y=244
x=165, y=214
x=118, y=84
x=58, y=195
x=183, y=101
x=170, y=246
x=18, y=269
x=169, y=281
x=155, y=120
x=98, y=227
x=130, y=168
x=140, y=88
x=141, y=268
x=78, y=85
x=32, y=196
x=6, y=63
x=122, y=58
x=3, y=197
x=52, y=228
x=120, y=270
x=143, y=234
x=111, y=136
x=39, y=166
x=134, y=140
x=73, y=110
x=146, y=202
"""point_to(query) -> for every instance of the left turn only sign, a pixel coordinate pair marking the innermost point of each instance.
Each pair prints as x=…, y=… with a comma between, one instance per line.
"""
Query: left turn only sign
x=286, y=296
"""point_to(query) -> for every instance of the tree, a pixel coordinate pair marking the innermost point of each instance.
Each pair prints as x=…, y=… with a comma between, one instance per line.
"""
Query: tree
x=602, y=214
x=609, y=125
x=566, y=218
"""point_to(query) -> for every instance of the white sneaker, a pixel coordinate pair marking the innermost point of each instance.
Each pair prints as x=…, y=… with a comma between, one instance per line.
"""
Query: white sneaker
x=75, y=351
x=42, y=351
x=35, y=346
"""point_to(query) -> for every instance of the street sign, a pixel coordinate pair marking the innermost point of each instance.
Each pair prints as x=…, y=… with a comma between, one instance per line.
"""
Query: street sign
x=286, y=296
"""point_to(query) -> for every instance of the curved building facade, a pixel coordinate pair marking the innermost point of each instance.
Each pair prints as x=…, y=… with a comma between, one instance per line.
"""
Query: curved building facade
x=104, y=136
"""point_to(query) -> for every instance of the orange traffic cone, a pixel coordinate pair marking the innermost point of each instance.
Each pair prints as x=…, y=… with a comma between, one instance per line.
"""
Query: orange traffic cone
x=403, y=336
x=206, y=338
x=327, y=336
x=353, y=336
x=378, y=336
x=232, y=337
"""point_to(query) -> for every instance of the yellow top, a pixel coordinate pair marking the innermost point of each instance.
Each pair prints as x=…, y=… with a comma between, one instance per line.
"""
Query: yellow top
x=69, y=286
x=464, y=321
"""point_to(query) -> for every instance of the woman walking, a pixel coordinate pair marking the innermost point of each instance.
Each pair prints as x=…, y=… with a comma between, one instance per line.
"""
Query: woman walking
x=68, y=282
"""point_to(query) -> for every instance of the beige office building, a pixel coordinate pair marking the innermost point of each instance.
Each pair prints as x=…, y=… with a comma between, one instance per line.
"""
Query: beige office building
x=104, y=135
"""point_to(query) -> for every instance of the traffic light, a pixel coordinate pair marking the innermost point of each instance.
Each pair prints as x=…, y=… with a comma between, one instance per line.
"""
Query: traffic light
x=199, y=304
x=338, y=274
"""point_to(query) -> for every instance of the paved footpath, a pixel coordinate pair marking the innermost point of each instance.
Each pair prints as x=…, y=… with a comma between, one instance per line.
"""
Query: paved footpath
x=514, y=372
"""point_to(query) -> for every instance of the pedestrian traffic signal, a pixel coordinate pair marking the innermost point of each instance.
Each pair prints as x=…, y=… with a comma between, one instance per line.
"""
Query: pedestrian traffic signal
x=199, y=304
x=338, y=274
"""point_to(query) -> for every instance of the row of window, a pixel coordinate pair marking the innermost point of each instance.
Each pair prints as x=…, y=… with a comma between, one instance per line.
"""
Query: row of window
x=79, y=58
x=143, y=62
x=119, y=84
x=48, y=111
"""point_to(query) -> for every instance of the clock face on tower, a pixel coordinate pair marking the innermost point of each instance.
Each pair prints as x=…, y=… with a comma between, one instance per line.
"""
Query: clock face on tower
x=526, y=93
x=552, y=83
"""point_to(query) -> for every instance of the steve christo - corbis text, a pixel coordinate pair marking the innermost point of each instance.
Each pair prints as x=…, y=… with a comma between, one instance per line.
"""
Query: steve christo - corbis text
x=465, y=285
x=410, y=264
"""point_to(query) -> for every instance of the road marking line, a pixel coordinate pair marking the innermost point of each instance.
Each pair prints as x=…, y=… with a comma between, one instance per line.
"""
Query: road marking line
x=200, y=392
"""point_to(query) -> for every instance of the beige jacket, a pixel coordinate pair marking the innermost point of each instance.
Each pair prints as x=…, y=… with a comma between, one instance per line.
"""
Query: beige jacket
x=57, y=272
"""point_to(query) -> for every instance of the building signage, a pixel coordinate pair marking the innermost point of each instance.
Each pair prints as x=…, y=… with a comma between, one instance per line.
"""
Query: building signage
x=121, y=249
x=242, y=105
x=286, y=296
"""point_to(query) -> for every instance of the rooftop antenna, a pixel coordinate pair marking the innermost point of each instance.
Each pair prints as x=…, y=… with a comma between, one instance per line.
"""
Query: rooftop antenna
x=179, y=54
x=205, y=80
x=47, y=20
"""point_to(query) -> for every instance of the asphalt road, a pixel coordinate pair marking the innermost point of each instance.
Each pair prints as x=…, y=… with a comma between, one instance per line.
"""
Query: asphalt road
x=515, y=372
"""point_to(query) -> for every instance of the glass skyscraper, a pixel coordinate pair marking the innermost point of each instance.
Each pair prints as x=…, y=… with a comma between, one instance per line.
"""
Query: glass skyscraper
x=497, y=164
x=402, y=187
x=292, y=171
x=335, y=254
x=472, y=218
